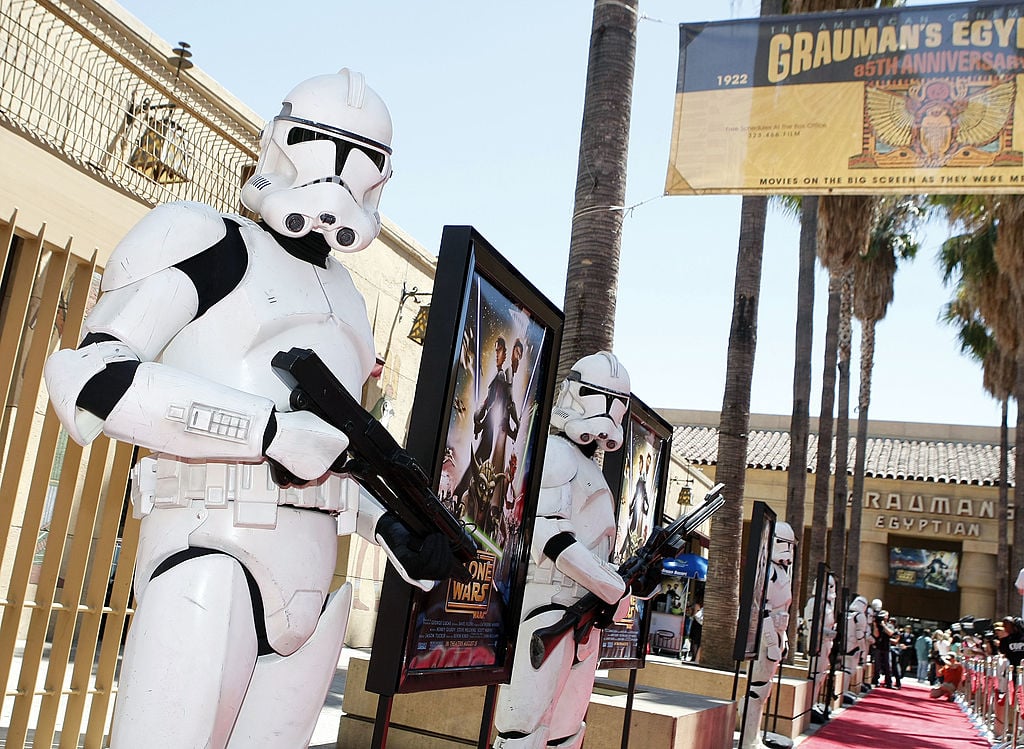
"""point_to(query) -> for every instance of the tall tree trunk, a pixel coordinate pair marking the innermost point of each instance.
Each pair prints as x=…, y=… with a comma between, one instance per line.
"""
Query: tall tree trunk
x=592, y=277
x=1018, y=485
x=1002, y=543
x=721, y=598
x=837, y=553
x=799, y=425
x=867, y=365
x=823, y=464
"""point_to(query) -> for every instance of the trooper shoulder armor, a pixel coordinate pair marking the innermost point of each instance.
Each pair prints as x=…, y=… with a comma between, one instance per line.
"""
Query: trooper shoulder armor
x=165, y=236
x=560, y=463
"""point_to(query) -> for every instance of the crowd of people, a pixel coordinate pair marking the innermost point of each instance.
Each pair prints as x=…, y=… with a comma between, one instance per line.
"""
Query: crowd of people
x=936, y=657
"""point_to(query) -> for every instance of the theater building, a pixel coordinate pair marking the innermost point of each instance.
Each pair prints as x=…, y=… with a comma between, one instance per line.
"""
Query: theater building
x=928, y=544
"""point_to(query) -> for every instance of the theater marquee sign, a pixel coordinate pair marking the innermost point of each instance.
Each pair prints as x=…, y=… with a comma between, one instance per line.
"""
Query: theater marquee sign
x=930, y=516
x=907, y=100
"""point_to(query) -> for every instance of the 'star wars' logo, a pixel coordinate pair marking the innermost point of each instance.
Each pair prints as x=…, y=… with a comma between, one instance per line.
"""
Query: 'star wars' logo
x=474, y=596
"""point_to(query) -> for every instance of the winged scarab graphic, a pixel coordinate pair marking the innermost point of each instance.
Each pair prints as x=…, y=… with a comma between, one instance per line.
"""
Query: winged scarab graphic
x=936, y=119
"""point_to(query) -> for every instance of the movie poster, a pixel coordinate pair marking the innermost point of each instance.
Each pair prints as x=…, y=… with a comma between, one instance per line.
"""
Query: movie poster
x=638, y=493
x=641, y=474
x=489, y=452
x=924, y=568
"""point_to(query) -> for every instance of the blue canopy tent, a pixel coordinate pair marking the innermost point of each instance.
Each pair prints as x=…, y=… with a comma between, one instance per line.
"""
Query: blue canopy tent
x=686, y=565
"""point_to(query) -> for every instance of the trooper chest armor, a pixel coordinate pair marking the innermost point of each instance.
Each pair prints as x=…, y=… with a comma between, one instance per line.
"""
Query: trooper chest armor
x=282, y=302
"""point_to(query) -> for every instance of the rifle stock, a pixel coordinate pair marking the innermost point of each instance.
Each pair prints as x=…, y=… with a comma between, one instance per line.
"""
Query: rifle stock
x=663, y=543
x=380, y=464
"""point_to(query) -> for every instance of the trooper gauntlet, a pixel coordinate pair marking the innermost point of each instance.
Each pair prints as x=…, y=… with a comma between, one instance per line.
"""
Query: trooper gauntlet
x=428, y=558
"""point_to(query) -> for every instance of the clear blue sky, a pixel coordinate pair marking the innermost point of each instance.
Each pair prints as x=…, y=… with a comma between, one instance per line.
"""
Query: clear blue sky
x=487, y=101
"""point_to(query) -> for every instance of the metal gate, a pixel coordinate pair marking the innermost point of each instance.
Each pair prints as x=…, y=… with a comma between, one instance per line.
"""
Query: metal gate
x=66, y=574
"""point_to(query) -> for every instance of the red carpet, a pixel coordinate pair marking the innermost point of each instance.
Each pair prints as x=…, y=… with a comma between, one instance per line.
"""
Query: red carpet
x=898, y=719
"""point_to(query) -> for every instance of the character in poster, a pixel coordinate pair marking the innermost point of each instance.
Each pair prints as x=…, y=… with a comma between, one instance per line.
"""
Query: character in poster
x=496, y=422
x=236, y=638
x=486, y=447
x=572, y=542
x=639, y=507
x=774, y=638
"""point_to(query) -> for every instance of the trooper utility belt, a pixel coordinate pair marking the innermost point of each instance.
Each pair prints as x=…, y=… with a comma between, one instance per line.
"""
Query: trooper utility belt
x=161, y=482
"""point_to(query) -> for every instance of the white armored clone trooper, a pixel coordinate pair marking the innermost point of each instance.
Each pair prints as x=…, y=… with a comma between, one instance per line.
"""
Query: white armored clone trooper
x=774, y=637
x=827, y=624
x=572, y=540
x=236, y=639
x=856, y=645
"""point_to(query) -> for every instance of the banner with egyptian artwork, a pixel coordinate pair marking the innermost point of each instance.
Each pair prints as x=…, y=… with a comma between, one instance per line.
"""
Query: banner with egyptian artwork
x=904, y=100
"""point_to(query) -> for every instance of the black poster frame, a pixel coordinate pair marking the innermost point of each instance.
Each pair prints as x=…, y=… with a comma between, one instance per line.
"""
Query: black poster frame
x=754, y=582
x=465, y=259
x=616, y=472
x=817, y=616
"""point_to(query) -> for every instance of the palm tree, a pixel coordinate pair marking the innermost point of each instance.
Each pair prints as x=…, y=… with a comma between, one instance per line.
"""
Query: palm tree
x=592, y=277
x=799, y=428
x=999, y=373
x=843, y=232
x=1008, y=213
x=824, y=457
x=968, y=263
x=892, y=238
x=721, y=597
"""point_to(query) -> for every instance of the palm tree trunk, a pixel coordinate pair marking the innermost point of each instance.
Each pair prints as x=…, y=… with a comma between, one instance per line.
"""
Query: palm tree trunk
x=721, y=598
x=867, y=365
x=1002, y=543
x=592, y=277
x=823, y=464
x=837, y=551
x=1018, y=486
x=799, y=428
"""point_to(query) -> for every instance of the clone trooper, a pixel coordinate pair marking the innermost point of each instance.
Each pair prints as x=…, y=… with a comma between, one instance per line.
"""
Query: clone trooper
x=236, y=638
x=572, y=540
x=828, y=634
x=856, y=646
x=774, y=637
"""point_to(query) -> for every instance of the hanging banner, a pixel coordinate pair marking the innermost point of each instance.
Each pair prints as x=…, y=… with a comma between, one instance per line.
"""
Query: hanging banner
x=905, y=100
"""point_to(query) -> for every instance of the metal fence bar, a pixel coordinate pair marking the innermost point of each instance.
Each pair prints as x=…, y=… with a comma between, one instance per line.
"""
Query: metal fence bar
x=64, y=614
x=45, y=447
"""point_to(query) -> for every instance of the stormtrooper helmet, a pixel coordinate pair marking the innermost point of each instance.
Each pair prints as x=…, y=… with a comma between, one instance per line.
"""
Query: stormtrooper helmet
x=859, y=604
x=592, y=402
x=876, y=604
x=324, y=161
x=782, y=547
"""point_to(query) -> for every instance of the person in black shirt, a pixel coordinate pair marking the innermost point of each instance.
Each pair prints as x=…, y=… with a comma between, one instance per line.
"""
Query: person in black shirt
x=1011, y=639
x=908, y=656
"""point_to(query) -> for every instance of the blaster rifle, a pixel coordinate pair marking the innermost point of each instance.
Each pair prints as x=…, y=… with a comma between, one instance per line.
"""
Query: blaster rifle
x=373, y=457
x=663, y=543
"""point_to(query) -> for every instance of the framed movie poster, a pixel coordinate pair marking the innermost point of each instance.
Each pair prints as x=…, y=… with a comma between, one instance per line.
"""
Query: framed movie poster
x=818, y=614
x=478, y=426
x=754, y=584
x=637, y=475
